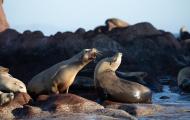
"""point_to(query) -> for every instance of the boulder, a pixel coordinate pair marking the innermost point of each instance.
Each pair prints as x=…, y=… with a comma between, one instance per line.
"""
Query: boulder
x=66, y=103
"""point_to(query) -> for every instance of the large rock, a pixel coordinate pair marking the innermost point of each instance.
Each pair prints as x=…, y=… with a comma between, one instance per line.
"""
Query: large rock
x=67, y=103
x=68, y=106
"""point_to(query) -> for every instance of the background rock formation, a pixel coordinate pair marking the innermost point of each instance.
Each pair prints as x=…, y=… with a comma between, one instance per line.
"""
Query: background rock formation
x=3, y=21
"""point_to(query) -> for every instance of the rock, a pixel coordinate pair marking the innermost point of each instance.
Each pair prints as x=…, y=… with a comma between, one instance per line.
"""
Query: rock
x=3, y=20
x=68, y=106
x=80, y=31
x=8, y=111
x=75, y=116
x=164, y=97
x=67, y=103
x=134, y=109
x=114, y=113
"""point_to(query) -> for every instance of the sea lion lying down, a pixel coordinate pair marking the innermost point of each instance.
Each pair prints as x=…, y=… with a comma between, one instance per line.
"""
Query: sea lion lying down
x=60, y=76
x=106, y=81
x=183, y=79
x=10, y=84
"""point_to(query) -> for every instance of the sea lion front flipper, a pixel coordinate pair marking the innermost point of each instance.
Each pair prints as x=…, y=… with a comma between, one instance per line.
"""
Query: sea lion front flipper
x=54, y=88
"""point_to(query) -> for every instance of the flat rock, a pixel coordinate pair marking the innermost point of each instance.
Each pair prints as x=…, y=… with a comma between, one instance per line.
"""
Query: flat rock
x=67, y=103
x=134, y=109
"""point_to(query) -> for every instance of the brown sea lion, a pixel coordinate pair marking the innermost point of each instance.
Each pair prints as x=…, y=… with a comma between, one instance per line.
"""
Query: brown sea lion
x=9, y=83
x=183, y=79
x=59, y=77
x=106, y=81
x=6, y=97
x=115, y=23
x=184, y=33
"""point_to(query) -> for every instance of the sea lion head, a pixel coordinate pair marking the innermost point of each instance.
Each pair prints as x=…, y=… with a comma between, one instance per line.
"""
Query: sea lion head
x=6, y=97
x=184, y=29
x=109, y=63
x=19, y=87
x=88, y=55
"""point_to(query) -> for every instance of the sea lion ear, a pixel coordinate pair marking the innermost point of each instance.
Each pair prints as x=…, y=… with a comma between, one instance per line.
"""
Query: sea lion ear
x=4, y=69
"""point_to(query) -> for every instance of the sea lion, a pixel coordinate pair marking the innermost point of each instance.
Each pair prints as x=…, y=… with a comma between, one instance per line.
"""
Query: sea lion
x=133, y=76
x=183, y=79
x=59, y=77
x=115, y=23
x=6, y=97
x=106, y=81
x=9, y=83
x=184, y=33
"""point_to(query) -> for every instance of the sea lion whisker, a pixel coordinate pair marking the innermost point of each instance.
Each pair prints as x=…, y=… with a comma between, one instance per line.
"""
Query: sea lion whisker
x=99, y=52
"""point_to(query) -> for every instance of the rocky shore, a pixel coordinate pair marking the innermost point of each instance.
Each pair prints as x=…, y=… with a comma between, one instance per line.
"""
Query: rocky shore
x=145, y=49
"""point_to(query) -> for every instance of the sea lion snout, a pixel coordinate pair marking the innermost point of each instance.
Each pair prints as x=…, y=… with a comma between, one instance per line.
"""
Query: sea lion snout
x=92, y=53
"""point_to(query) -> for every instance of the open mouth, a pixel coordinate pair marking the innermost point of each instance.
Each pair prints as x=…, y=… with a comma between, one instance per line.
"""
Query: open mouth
x=93, y=55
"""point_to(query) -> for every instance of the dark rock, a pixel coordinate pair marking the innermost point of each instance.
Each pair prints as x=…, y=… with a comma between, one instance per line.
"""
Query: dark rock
x=80, y=31
x=164, y=97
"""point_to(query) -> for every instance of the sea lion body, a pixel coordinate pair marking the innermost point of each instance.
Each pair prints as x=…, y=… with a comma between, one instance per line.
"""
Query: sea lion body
x=115, y=23
x=183, y=79
x=6, y=97
x=59, y=77
x=184, y=33
x=9, y=83
x=106, y=81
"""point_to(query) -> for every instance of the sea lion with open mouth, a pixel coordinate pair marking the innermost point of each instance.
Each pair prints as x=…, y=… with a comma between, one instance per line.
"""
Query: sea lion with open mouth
x=60, y=77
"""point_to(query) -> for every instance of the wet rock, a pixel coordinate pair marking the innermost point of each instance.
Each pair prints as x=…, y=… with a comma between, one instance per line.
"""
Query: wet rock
x=67, y=103
x=114, y=113
x=164, y=97
x=75, y=116
x=134, y=109
x=68, y=106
